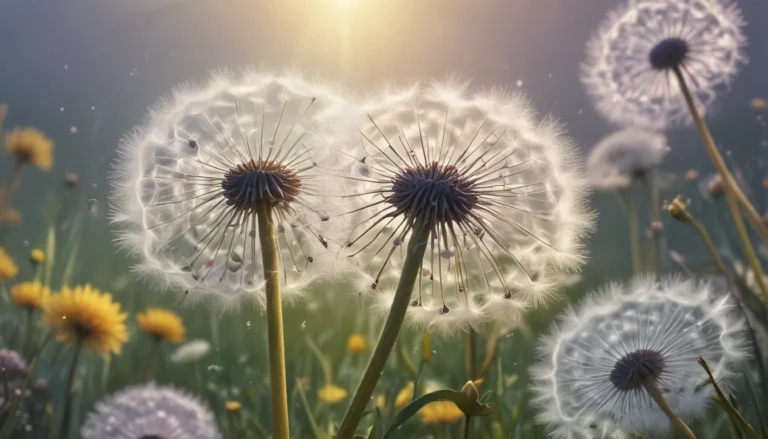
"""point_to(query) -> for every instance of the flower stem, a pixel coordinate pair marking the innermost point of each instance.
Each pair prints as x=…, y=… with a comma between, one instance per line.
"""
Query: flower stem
x=149, y=372
x=278, y=387
x=653, y=389
x=11, y=414
x=726, y=403
x=465, y=430
x=710, y=245
x=653, y=194
x=10, y=185
x=731, y=187
x=68, y=395
x=417, y=245
x=634, y=234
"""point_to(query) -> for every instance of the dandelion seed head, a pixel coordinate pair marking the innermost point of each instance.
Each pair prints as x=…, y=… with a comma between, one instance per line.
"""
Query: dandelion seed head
x=623, y=156
x=631, y=59
x=500, y=193
x=189, y=186
x=150, y=411
x=591, y=368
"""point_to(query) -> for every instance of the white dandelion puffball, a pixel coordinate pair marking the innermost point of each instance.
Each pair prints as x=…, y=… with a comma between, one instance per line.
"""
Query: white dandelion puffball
x=501, y=194
x=593, y=366
x=631, y=59
x=624, y=155
x=188, y=186
x=150, y=411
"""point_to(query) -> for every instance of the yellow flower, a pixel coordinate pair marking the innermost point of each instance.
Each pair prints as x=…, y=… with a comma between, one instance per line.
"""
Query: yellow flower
x=8, y=268
x=10, y=217
x=404, y=396
x=381, y=402
x=162, y=324
x=233, y=406
x=30, y=145
x=84, y=315
x=331, y=394
x=355, y=344
x=37, y=256
x=30, y=295
x=440, y=412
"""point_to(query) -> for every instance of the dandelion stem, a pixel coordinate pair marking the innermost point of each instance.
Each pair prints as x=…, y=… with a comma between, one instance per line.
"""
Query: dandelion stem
x=469, y=359
x=11, y=184
x=653, y=389
x=653, y=194
x=279, y=392
x=710, y=245
x=634, y=234
x=726, y=403
x=733, y=193
x=11, y=413
x=465, y=430
x=149, y=372
x=68, y=395
x=417, y=245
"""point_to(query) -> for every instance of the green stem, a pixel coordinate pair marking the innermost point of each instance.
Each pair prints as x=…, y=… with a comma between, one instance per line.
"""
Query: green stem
x=278, y=387
x=417, y=245
x=710, y=245
x=733, y=193
x=465, y=431
x=68, y=395
x=653, y=389
x=469, y=355
x=726, y=403
x=149, y=372
x=11, y=414
x=653, y=194
x=634, y=234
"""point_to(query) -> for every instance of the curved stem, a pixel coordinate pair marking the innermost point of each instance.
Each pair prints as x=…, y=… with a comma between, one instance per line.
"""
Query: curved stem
x=710, y=245
x=11, y=414
x=417, y=245
x=634, y=234
x=149, y=372
x=68, y=396
x=653, y=389
x=731, y=187
x=278, y=387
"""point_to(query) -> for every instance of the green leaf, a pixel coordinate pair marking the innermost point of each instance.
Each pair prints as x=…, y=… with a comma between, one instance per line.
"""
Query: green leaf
x=467, y=406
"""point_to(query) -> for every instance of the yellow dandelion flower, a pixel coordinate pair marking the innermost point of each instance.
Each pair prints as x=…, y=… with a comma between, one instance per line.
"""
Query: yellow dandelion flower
x=440, y=412
x=30, y=145
x=331, y=394
x=381, y=402
x=10, y=217
x=355, y=344
x=162, y=324
x=8, y=268
x=233, y=406
x=30, y=295
x=37, y=256
x=83, y=315
x=404, y=396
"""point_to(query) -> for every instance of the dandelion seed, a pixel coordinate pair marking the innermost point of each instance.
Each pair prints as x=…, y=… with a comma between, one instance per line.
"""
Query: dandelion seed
x=188, y=186
x=632, y=55
x=593, y=367
x=191, y=352
x=150, y=411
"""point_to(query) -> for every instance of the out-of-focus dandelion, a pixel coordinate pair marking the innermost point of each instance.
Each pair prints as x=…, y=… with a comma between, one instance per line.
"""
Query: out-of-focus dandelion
x=150, y=411
x=629, y=345
x=355, y=344
x=331, y=394
x=8, y=269
x=30, y=145
x=440, y=412
x=691, y=175
x=36, y=256
x=426, y=348
x=758, y=104
x=468, y=198
x=651, y=60
x=71, y=180
x=191, y=352
x=12, y=366
x=85, y=318
x=162, y=325
x=404, y=396
x=640, y=45
x=715, y=187
x=10, y=217
x=29, y=295
x=219, y=196
x=233, y=406
x=624, y=156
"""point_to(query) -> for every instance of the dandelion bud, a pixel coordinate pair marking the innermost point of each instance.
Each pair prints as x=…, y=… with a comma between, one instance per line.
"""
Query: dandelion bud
x=678, y=210
x=426, y=349
x=715, y=186
x=470, y=390
x=36, y=256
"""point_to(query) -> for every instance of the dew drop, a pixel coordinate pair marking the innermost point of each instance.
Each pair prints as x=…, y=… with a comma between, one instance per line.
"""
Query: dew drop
x=61, y=109
x=73, y=129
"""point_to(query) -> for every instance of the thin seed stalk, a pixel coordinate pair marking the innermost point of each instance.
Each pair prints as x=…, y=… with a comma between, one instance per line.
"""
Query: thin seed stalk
x=653, y=389
x=731, y=188
x=68, y=396
x=710, y=245
x=11, y=413
x=276, y=339
x=417, y=245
